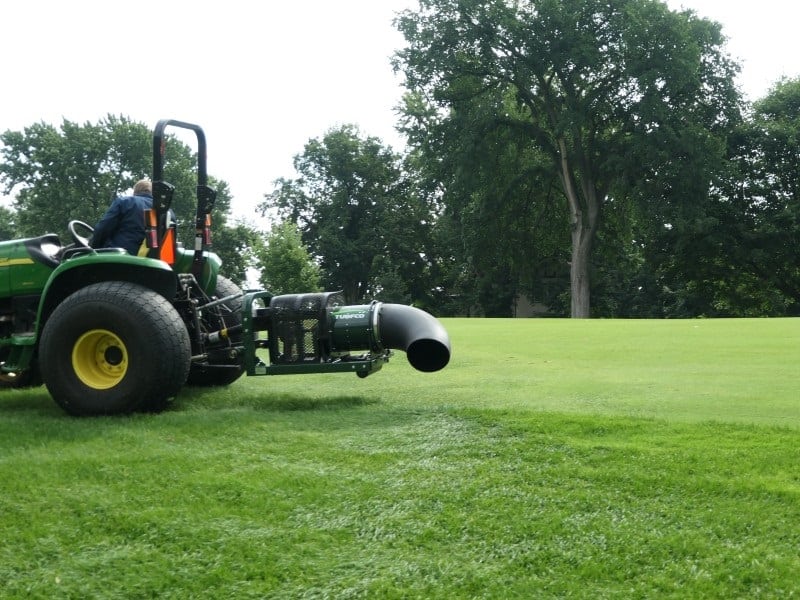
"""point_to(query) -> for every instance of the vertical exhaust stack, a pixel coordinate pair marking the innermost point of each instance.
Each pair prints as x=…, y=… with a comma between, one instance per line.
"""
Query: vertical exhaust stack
x=377, y=327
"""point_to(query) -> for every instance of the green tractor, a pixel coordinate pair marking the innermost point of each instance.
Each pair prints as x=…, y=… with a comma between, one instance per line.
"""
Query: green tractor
x=111, y=333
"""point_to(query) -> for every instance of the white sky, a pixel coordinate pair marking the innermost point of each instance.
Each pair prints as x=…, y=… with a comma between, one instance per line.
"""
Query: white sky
x=262, y=77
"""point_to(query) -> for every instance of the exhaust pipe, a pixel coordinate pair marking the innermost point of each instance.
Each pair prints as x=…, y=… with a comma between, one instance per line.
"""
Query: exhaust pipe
x=377, y=327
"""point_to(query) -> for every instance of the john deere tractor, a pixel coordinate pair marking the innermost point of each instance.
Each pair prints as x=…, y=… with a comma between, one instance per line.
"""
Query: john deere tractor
x=111, y=333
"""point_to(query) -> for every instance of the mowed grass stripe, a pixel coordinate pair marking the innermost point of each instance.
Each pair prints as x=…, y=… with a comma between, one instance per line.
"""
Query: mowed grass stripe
x=527, y=468
x=726, y=370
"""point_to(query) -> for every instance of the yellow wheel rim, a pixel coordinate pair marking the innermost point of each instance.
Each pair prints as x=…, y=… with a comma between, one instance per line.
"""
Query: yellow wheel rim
x=100, y=359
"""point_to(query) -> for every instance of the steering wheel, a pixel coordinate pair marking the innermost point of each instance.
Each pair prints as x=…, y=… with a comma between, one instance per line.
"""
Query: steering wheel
x=75, y=230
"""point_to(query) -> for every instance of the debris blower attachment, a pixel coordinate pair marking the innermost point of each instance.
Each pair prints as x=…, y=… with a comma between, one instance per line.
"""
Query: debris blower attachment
x=317, y=333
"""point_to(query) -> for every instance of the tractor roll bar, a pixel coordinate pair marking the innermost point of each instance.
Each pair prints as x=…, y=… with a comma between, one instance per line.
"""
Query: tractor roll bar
x=163, y=191
x=158, y=149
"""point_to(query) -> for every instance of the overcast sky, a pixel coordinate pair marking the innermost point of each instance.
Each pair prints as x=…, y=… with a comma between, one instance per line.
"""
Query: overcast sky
x=263, y=77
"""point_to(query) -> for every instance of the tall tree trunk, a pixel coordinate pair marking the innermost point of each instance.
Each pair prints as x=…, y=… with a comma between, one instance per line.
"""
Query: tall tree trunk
x=584, y=208
x=579, y=283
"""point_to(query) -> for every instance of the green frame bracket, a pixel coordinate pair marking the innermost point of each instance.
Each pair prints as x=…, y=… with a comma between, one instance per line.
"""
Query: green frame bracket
x=253, y=323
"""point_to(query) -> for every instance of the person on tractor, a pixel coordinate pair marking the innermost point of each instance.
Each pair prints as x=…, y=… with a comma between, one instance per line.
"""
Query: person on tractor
x=122, y=226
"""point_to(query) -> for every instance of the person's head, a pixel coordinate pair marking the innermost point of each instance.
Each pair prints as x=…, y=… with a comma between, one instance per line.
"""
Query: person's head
x=143, y=186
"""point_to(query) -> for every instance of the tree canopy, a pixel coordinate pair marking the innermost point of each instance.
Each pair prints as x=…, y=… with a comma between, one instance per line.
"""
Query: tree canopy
x=760, y=207
x=627, y=99
x=71, y=172
x=593, y=157
x=74, y=171
x=7, y=226
x=360, y=216
x=287, y=266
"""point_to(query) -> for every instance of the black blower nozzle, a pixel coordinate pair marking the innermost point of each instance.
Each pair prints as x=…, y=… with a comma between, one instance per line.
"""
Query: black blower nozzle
x=418, y=333
x=380, y=326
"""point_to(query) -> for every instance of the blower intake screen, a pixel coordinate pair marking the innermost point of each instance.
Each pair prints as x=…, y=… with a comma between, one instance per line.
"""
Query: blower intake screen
x=299, y=326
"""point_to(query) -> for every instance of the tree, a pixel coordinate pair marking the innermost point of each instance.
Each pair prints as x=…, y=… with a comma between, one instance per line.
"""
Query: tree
x=73, y=172
x=354, y=202
x=8, y=229
x=238, y=246
x=286, y=264
x=498, y=203
x=775, y=197
x=625, y=98
x=759, y=209
x=740, y=256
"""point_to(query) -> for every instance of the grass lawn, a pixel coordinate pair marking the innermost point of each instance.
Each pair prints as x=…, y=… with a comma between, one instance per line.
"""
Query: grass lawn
x=550, y=459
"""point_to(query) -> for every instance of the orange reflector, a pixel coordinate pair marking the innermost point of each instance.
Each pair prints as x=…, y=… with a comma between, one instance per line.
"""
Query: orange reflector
x=168, y=247
x=207, y=231
x=151, y=229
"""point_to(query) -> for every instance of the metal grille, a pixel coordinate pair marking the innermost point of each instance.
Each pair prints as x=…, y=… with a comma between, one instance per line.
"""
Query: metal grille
x=299, y=326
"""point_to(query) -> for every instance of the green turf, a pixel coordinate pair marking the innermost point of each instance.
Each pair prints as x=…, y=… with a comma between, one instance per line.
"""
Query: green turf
x=551, y=459
x=729, y=370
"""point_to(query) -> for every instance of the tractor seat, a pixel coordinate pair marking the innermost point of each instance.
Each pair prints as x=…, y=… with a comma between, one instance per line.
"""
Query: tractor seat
x=44, y=249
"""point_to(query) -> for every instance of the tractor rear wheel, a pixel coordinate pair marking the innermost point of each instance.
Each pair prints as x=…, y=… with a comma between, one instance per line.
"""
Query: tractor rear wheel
x=114, y=347
x=224, y=369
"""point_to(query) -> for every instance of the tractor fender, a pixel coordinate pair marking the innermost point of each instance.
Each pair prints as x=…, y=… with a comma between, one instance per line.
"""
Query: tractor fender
x=210, y=270
x=111, y=265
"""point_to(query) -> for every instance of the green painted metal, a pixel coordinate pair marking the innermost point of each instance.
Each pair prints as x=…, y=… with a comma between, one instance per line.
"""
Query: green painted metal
x=28, y=270
x=20, y=274
x=257, y=320
x=280, y=335
x=185, y=262
x=251, y=330
x=354, y=328
x=20, y=355
x=361, y=367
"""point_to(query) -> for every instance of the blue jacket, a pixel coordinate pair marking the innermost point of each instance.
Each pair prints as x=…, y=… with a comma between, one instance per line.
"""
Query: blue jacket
x=123, y=224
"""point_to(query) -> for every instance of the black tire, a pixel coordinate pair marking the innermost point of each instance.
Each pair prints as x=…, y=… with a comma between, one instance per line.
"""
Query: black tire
x=224, y=370
x=113, y=348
